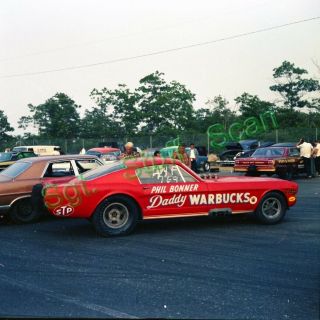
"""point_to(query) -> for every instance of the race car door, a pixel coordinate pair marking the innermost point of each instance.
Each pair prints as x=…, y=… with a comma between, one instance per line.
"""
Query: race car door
x=166, y=191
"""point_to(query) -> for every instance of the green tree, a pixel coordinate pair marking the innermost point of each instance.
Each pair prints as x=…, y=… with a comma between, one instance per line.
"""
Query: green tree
x=166, y=108
x=216, y=111
x=4, y=129
x=252, y=105
x=155, y=107
x=118, y=109
x=58, y=117
x=296, y=91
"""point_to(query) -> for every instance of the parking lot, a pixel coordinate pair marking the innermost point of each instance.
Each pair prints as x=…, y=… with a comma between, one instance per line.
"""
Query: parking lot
x=222, y=268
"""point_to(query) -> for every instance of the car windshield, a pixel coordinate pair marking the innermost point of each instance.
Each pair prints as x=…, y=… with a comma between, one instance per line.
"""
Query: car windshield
x=268, y=152
x=103, y=170
x=5, y=156
x=16, y=169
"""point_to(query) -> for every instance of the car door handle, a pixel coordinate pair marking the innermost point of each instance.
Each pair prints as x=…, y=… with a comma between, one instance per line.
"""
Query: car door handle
x=145, y=188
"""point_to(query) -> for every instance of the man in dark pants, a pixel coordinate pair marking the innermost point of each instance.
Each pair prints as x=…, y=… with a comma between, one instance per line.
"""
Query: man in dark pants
x=306, y=154
x=193, y=155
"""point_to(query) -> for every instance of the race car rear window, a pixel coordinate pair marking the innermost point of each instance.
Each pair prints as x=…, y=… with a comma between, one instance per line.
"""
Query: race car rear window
x=166, y=173
x=102, y=171
x=16, y=169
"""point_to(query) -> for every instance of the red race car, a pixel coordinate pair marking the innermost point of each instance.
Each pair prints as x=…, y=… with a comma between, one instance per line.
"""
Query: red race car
x=115, y=197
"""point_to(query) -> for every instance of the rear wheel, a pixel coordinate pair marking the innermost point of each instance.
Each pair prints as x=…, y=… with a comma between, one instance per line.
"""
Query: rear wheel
x=115, y=216
x=23, y=212
x=272, y=208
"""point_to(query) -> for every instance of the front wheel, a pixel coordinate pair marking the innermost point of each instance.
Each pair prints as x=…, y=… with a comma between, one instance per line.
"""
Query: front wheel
x=272, y=208
x=206, y=167
x=116, y=216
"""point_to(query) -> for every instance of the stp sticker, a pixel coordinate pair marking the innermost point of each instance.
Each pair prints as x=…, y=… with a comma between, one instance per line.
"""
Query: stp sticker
x=63, y=211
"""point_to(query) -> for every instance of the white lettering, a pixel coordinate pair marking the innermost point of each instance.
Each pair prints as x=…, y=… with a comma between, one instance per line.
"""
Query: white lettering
x=158, y=201
x=211, y=198
x=239, y=197
x=218, y=198
x=194, y=199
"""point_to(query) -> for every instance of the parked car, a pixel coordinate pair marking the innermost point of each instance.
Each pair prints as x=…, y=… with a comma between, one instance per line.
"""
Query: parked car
x=248, y=153
x=40, y=150
x=202, y=160
x=283, y=161
x=115, y=198
x=226, y=157
x=106, y=154
x=17, y=181
x=285, y=144
x=8, y=158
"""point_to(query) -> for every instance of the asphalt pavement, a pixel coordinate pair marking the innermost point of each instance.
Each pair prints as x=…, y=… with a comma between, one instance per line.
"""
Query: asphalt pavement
x=222, y=268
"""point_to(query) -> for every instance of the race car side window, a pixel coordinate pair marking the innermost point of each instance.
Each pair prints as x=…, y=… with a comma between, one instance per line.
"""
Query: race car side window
x=84, y=165
x=166, y=173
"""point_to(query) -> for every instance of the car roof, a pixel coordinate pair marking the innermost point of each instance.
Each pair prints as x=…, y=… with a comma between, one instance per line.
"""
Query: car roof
x=57, y=158
x=104, y=150
x=285, y=144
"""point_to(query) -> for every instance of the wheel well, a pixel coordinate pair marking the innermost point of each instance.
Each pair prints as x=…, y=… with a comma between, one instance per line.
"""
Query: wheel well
x=126, y=196
x=279, y=192
x=17, y=200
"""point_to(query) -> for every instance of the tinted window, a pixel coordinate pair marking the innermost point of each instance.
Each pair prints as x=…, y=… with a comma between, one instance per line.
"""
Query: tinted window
x=294, y=152
x=166, y=173
x=103, y=170
x=16, y=169
x=268, y=152
x=19, y=149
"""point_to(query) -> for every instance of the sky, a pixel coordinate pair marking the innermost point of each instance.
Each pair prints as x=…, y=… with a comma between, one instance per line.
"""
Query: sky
x=44, y=35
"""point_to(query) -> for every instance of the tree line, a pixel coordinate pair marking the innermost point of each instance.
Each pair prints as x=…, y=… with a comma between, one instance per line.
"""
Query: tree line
x=158, y=107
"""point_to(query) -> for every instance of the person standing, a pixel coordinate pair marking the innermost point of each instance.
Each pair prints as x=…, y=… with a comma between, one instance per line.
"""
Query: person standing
x=193, y=155
x=157, y=154
x=316, y=154
x=182, y=155
x=129, y=151
x=306, y=154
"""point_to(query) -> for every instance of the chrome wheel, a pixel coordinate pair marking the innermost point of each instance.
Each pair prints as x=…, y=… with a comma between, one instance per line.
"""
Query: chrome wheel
x=206, y=167
x=115, y=215
x=271, y=207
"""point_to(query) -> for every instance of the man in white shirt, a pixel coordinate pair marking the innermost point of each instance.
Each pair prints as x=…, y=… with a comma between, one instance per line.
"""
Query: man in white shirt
x=305, y=154
x=193, y=155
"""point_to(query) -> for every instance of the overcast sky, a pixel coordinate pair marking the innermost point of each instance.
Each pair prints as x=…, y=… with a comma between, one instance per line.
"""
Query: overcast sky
x=39, y=35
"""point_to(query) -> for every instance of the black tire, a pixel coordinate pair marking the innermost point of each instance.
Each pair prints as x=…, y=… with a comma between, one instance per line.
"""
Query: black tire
x=272, y=208
x=23, y=212
x=116, y=216
x=206, y=167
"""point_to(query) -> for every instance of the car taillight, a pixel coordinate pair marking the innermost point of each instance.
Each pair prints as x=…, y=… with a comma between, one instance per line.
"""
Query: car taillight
x=271, y=162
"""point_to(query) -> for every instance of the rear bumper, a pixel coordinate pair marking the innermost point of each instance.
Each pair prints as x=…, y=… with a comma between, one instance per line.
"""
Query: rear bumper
x=245, y=169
